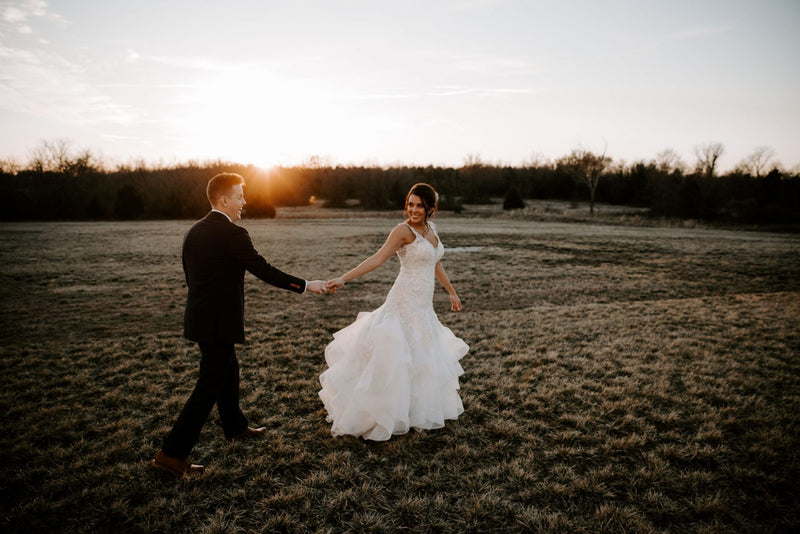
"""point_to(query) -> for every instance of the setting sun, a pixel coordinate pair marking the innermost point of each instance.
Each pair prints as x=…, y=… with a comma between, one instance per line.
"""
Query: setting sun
x=247, y=115
x=250, y=114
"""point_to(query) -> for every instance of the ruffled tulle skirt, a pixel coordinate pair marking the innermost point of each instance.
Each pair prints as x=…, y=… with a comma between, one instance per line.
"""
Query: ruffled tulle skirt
x=386, y=375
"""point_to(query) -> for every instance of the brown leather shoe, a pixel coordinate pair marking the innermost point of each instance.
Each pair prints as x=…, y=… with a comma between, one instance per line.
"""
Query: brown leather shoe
x=176, y=466
x=250, y=433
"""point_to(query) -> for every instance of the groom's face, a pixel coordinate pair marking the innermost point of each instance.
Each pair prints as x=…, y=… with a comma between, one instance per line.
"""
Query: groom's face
x=233, y=202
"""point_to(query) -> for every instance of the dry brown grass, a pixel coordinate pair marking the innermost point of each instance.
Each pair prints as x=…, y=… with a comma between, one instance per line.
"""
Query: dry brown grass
x=620, y=379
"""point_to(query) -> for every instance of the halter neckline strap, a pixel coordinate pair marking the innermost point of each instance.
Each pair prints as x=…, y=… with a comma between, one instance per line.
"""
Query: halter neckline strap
x=419, y=235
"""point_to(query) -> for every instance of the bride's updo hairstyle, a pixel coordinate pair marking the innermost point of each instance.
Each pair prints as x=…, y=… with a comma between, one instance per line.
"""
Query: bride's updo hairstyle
x=429, y=197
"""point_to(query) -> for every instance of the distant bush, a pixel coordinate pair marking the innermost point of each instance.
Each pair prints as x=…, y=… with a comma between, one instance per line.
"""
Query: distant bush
x=129, y=204
x=513, y=200
x=260, y=210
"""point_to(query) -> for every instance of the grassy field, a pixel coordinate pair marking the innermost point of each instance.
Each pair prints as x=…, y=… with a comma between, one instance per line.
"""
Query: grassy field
x=620, y=379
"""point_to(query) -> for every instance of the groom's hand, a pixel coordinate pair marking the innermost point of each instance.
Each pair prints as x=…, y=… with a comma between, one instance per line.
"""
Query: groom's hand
x=317, y=287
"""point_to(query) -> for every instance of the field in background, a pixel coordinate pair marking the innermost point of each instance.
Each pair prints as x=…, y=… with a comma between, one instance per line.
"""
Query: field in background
x=619, y=378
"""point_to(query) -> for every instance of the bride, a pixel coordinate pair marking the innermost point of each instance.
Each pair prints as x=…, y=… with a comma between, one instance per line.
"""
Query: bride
x=397, y=367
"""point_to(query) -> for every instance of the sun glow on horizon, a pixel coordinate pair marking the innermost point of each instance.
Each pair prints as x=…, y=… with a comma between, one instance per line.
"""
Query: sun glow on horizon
x=254, y=116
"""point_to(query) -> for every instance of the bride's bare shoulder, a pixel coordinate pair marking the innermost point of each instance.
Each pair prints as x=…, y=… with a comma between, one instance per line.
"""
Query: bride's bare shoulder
x=404, y=232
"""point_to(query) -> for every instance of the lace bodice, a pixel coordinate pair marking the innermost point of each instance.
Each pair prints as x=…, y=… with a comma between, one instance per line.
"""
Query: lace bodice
x=420, y=253
x=412, y=292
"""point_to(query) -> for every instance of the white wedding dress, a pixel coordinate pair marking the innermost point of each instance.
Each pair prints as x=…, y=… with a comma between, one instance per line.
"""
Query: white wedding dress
x=396, y=367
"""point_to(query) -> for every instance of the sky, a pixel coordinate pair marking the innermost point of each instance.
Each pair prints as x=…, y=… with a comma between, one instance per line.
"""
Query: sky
x=412, y=82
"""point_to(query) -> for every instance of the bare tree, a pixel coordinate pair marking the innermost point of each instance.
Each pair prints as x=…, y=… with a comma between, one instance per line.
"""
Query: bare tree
x=537, y=160
x=707, y=156
x=49, y=156
x=318, y=162
x=57, y=156
x=10, y=165
x=473, y=160
x=669, y=161
x=586, y=167
x=757, y=163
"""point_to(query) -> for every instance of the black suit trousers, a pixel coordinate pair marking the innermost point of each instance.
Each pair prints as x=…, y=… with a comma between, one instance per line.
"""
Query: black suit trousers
x=218, y=384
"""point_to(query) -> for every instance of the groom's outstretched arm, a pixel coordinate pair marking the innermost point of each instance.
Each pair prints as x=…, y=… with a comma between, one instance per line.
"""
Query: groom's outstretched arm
x=242, y=250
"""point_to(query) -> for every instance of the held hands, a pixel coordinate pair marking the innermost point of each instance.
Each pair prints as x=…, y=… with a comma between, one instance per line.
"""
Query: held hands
x=317, y=287
x=333, y=285
x=320, y=287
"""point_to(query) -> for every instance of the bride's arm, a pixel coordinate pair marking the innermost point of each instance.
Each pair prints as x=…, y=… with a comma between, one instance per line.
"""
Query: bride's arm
x=441, y=275
x=399, y=236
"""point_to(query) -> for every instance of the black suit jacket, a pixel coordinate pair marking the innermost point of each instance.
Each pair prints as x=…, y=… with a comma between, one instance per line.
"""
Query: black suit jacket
x=216, y=253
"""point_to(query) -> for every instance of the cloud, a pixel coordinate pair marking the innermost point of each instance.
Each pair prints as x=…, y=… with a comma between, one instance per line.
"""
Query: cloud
x=470, y=5
x=483, y=91
x=13, y=15
x=448, y=91
x=36, y=81
x=197, y=63
x=121, y=137
x=702, y=31
x=383, y=96
x=18, y=16
x=494, y=66
x=47, y=85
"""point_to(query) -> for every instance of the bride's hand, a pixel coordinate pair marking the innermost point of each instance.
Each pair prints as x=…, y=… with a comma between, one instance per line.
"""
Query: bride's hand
x=455, y=303
x=334, y=284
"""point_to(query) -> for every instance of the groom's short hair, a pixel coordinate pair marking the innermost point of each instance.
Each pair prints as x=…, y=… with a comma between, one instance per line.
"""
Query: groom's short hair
x=221, y=185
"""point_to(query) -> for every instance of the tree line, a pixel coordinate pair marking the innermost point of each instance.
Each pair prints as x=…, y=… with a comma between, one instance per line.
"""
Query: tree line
x=61, y=184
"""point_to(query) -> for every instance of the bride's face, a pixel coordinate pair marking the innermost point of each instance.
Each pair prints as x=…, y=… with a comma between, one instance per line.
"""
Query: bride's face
x=416, y=210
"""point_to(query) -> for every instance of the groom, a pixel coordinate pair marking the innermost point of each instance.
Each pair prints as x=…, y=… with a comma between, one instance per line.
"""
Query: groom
x=216, y=253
